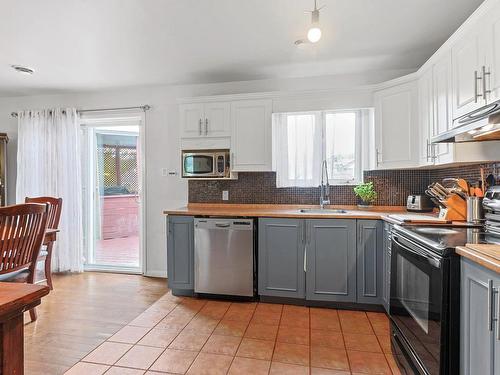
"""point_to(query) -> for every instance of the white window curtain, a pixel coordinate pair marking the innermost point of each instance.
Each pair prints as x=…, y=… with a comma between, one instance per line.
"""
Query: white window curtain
x=49, y=164
x=297, y=149
x=302, y=140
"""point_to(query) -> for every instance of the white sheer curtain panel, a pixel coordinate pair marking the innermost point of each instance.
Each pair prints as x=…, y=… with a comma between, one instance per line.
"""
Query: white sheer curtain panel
x=49, y=164
x=297, y=149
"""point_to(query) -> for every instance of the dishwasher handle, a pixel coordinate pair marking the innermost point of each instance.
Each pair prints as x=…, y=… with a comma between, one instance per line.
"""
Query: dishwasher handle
x=223, y=224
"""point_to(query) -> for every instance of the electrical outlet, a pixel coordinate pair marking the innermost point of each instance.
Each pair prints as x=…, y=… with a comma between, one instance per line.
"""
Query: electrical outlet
x=225, y=195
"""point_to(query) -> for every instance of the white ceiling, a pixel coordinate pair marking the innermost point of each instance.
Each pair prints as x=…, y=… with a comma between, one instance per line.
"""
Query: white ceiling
x=94, y=44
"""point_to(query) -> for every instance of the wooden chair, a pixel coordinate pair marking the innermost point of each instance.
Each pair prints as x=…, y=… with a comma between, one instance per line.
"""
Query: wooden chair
x=53, y=217
x=22, y=230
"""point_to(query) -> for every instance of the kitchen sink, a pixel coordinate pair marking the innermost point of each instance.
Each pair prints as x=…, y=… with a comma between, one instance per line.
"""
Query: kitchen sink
x=326, y=211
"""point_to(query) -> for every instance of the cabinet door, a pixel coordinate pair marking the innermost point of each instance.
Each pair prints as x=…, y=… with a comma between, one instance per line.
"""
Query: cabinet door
x=369, y=261
x=386, y=294
x=478, y=340
x=491, y=38
x=396, y=126
x=251, y=135
x=217, y=119
x=443, y=119
x=281, y=258
x=331, y=260
x=180, y=252
x=191, y=120
x=426, y=116
x=466, y=61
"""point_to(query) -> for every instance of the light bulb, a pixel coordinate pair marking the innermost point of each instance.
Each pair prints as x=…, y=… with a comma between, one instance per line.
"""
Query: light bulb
x=314, y=34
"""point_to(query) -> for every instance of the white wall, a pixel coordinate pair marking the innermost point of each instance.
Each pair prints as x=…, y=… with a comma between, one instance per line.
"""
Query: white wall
x=162, y=132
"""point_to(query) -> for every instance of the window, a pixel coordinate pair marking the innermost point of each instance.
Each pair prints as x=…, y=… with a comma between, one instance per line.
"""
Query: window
x=302, y=140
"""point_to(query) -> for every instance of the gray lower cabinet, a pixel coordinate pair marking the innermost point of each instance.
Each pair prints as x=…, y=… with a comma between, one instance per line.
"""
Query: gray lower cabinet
x=281, y=258
x=180, y=252
x=386, y=282
x=331, y=260
x=480, y=329
x=369, y=262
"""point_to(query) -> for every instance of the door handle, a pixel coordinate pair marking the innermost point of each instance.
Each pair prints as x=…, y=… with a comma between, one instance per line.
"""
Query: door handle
x=485, y=90
x=498, y=316
x=491, y=296
x=476, y=90
x=206, y=126
x=377, y=153
x=305, y=258
x=199, y=127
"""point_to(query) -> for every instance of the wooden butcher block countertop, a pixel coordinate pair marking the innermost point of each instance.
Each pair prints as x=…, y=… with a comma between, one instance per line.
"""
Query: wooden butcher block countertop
x=284, y=211
x=486, y=255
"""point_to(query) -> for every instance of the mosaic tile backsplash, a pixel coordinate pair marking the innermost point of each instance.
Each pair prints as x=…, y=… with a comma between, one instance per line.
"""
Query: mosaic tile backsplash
x=392, y=186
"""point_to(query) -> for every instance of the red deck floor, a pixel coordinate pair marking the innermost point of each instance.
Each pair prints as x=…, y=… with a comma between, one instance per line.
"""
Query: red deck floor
x=118, y=251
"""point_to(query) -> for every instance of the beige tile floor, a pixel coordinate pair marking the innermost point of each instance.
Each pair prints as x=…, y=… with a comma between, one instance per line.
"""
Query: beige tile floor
x=179, y=335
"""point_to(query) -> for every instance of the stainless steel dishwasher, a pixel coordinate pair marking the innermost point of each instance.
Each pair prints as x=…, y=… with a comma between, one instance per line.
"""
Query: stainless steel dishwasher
x=224, y=256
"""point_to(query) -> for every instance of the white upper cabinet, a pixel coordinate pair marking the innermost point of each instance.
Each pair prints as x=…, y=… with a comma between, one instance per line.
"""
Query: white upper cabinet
x=442, y=106
x=205, y=120
x=396, y=126
x=218, y=119
x=426, y=117
x=191, y=119
x=491, y=34
x=476, y=64
x=467, y=80
x=251, y=135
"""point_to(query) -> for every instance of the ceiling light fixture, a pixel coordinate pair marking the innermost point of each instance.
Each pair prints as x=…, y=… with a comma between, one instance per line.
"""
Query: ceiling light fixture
x=314, y=33
x=23, y=69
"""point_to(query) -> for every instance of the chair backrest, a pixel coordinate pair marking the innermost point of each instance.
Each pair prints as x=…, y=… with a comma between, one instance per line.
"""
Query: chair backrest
x=54, y=210
x=22, y=230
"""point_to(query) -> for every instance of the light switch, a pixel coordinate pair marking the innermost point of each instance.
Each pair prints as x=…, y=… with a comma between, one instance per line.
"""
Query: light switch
x=225, y=195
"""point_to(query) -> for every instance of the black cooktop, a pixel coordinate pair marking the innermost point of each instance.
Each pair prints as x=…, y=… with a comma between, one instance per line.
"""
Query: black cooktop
x=445, y=239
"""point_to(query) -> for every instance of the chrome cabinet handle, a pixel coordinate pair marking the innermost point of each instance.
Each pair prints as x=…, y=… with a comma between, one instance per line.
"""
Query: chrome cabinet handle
x=476, y=90
x=305, y=258
x=199, y=127
x=490, y=305
x=428, y=148
x=485, y=90
x=498, y=316
x=433, y=152
x=377, y=153
x=206, y=126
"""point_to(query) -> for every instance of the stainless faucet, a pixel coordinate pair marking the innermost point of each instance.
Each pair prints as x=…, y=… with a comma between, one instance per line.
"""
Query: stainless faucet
x=324, y=188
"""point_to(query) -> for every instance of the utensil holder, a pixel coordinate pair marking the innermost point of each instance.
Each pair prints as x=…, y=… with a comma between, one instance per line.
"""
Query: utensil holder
x=475, y=212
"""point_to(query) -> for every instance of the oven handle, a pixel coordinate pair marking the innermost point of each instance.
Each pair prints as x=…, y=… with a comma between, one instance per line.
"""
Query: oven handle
x=435, y=262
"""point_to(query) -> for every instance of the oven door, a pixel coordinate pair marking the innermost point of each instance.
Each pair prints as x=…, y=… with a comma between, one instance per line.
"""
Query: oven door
x=416, y=301
x=198, y=165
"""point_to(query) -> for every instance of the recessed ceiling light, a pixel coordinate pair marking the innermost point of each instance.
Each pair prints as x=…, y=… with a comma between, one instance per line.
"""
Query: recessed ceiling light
x=23, y=69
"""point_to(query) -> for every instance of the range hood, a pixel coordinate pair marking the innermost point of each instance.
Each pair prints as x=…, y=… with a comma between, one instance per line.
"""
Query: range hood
x=483, y=124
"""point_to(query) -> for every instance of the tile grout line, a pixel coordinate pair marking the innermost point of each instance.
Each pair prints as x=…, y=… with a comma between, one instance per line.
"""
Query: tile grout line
x=199, y=352
x=132, y=345
x=242, y=337
x=343, y=340
x=385, y=358
x=165, y=349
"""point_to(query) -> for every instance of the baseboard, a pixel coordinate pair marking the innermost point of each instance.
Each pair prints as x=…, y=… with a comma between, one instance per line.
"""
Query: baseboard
x=156, y=273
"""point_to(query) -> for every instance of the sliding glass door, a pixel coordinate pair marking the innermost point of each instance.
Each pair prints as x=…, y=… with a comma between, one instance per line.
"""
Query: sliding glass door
x=112, y=195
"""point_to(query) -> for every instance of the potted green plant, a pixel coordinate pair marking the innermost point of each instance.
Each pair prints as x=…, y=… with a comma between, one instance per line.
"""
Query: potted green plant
x=366, y=194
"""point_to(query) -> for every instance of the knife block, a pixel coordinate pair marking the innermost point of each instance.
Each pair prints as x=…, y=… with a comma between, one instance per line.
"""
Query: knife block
x=456, y=209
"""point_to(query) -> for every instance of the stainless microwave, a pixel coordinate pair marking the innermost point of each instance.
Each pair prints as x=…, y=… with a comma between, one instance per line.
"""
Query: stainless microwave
x=206, y=164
